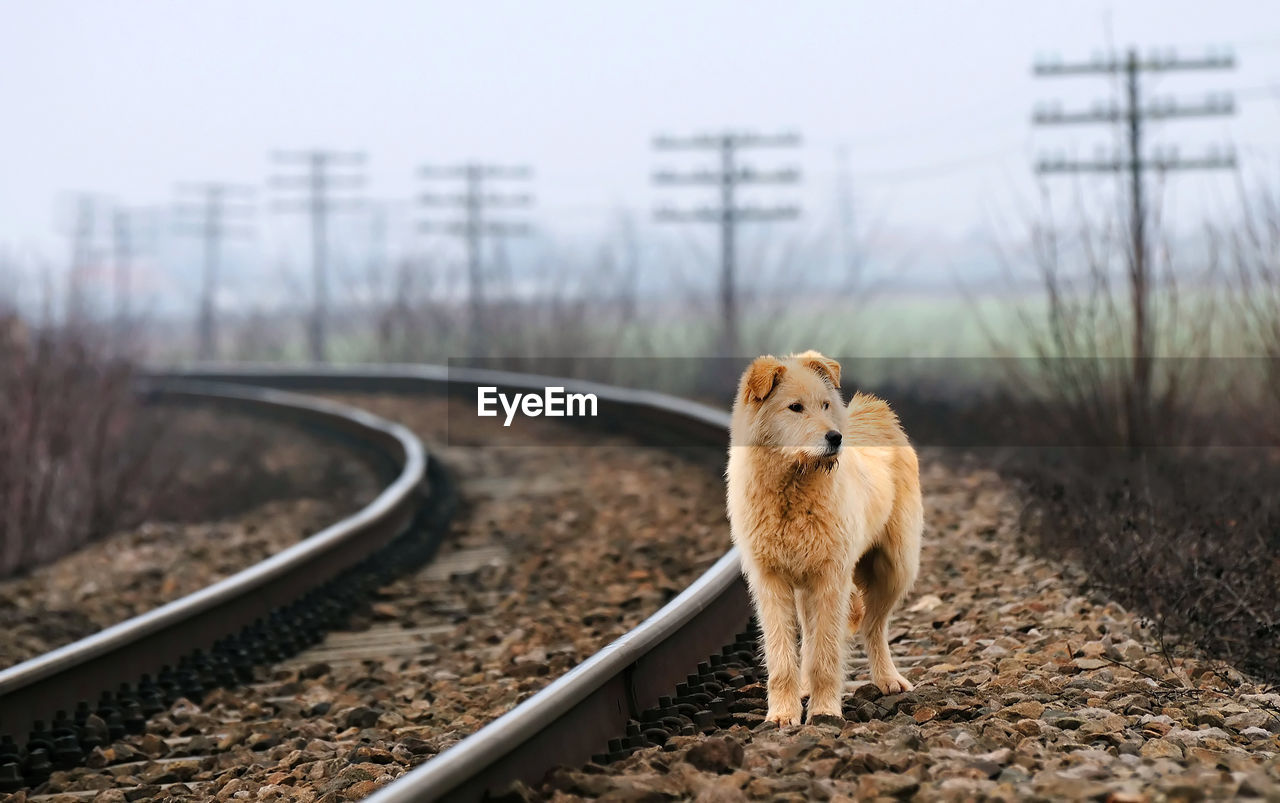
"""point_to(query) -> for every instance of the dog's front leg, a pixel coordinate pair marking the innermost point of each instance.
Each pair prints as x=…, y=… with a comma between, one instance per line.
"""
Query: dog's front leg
x=805, y=673
x=776, y=610
x=825, y=608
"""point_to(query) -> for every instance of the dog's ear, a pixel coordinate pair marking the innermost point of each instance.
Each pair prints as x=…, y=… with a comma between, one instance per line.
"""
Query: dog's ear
x=761, y=378
x=824, y=366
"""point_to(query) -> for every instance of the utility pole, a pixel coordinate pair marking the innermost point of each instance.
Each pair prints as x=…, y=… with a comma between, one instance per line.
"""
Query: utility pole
x=125, y=246
x=476, y=224
x=1132, y=114
x=207, y=210
x=319, y=183
x=86, y=211
x=381, y=296
x=728, y=213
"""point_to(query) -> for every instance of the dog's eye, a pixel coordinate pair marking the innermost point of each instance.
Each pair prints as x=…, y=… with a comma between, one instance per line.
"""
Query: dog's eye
x=796, y=407
x=826, y=405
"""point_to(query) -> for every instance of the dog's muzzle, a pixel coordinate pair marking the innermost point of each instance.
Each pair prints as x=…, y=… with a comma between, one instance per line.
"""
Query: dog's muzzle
x=834, y=439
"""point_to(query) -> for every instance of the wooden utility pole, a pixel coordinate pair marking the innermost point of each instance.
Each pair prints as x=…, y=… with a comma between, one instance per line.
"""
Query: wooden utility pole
x=1132, y=114
x=475, y=225
x=126, y=245
x=727, y=214
x=207, y=210
x=123, y=248
x=319, y=183
x=87, y=210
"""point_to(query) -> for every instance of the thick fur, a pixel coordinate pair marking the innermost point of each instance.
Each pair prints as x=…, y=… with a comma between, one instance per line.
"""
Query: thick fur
x=829, y=536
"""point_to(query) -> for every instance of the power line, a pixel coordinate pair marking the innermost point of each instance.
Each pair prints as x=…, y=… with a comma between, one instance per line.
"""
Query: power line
x=476, y=224
x=208, y=210
x=728, y=213
x=1133, y=111
x=319, y=183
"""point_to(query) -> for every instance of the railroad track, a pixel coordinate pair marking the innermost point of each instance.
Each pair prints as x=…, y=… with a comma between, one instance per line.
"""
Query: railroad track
x=216, y=636
x=651, y=681
x=571, y=720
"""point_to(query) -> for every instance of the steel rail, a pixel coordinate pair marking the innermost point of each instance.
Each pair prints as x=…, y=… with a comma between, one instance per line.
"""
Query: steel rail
x=572, y=718
x=33, y=689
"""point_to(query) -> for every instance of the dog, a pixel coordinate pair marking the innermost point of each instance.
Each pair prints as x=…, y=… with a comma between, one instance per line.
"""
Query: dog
x=824, y=506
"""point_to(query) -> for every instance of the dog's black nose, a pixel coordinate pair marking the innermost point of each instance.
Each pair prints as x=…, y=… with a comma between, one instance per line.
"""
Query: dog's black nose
x=834, y=438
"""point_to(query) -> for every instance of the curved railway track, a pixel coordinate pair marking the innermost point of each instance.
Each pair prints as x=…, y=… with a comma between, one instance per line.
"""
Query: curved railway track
x=649, y=683
x=218, y=634
x=569, y=721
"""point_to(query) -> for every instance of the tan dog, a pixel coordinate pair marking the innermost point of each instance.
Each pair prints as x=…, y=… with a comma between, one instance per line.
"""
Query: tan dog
x=824, y=505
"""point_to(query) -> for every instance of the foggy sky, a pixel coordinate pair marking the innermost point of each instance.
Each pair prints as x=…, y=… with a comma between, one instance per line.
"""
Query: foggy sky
x=931, y=99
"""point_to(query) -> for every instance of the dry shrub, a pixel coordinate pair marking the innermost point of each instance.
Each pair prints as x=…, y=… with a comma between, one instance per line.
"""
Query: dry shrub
x=1252, y=254
x=1104, y=364
x=1186, y=534
x=1189, y=540
x=69, y=455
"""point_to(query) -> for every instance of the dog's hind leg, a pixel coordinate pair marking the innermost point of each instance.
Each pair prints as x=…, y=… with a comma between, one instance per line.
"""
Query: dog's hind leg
x=776, y=610
x=882, y=582
x=825, y=611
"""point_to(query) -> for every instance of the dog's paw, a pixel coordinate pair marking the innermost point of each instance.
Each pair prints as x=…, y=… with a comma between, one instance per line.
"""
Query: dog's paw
x=785, y=717
x=893, y=683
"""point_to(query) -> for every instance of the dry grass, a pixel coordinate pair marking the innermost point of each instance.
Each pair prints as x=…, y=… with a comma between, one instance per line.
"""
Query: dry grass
x=1185, y=533
x=1190, y=540
x=69, y=454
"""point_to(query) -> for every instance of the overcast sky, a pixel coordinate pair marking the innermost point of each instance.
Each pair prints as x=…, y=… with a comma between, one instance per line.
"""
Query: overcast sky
x=931, y=99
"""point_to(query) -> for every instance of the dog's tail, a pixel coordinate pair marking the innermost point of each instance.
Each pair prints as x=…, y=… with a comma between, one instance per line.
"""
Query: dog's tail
x=873, y=423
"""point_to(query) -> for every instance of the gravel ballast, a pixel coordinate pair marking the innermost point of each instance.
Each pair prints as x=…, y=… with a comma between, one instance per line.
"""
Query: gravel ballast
x=227, y=490
x=1025, y=690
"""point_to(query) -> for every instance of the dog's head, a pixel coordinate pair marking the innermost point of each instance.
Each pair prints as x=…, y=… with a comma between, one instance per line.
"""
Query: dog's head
x=792, y=405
